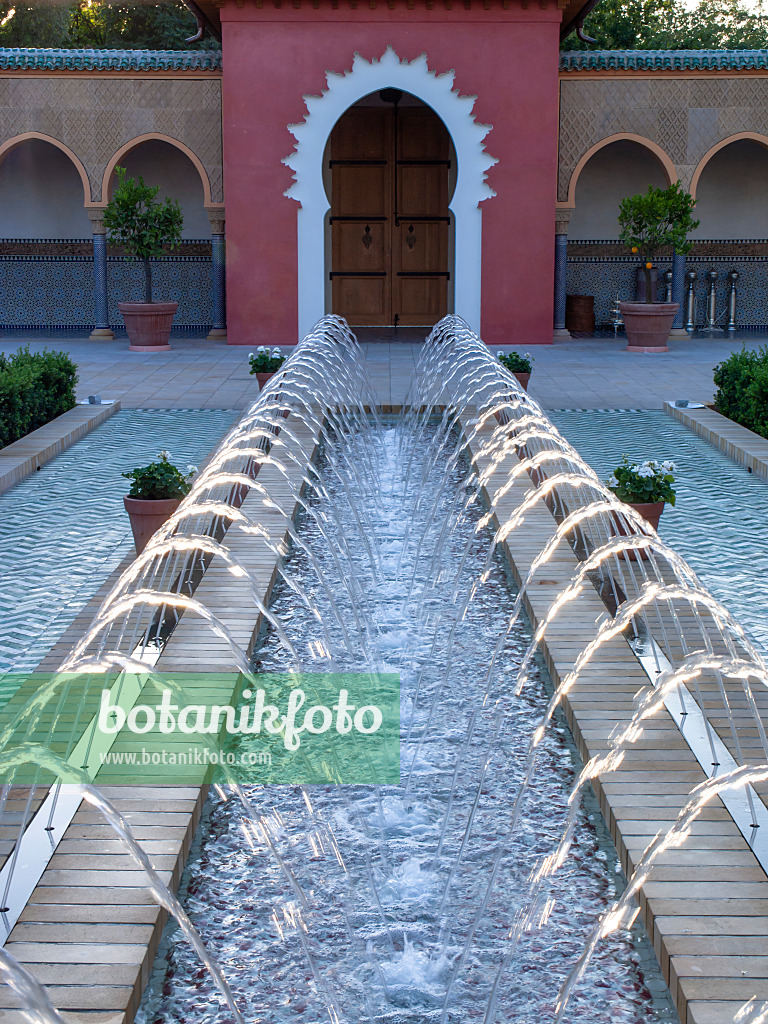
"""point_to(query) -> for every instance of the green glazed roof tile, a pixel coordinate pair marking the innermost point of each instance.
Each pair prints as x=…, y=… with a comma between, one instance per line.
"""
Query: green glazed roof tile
x=29, y=59
x=663, y=60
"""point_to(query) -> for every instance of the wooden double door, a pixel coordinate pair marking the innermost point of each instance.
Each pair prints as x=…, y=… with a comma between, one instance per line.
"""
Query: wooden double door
x=389, y=216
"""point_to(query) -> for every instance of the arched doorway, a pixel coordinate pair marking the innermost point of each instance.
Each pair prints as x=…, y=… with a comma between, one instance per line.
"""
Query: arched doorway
x=391, y=175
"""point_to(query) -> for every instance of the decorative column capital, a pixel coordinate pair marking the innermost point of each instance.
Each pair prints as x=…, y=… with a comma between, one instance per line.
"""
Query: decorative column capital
x=562, y=219
x=217, y=219
x=96, y=217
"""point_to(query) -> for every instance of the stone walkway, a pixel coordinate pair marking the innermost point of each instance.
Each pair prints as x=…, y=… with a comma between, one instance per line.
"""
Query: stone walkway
x=584, y=373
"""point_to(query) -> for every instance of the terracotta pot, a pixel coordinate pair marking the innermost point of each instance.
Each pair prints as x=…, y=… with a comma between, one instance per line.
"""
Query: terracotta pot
x=147, y=515
x=262, y=378
x=648, y=324
x=651, y=512
x=523, y=379
x=148, y=324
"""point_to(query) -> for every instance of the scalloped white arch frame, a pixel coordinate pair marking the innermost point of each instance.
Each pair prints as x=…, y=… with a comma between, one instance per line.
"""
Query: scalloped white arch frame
x=306, y=162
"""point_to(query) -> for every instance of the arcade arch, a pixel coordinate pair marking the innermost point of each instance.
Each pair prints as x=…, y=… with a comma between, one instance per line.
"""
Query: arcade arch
x=730, y=186
x=606, y=174
x=43, y=190
x=175, y=168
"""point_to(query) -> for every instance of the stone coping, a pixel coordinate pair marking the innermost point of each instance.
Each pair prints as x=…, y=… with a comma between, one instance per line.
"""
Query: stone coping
x=23, y=457
x=738, y=443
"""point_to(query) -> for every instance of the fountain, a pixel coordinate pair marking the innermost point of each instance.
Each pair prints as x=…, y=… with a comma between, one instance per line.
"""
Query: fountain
x=454, y=546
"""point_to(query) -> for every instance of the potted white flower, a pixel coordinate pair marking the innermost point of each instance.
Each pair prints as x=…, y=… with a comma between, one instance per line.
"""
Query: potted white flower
x=646, y=486
x=265, y=363
x=156, y=492
x=520, y=365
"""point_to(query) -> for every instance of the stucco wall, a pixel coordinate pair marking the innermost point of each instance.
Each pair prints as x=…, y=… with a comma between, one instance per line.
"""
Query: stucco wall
x=290, y=61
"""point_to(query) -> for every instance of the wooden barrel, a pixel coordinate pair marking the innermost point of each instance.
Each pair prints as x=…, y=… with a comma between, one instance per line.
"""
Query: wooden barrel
x=580, y=313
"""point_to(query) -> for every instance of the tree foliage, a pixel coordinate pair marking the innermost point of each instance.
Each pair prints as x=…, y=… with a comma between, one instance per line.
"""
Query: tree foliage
x=670, y=25
x=99, y=24
x=136, y=219
x=655, y=219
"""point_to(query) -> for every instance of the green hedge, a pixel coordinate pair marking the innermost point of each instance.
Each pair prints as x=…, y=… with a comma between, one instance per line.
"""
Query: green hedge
x=35, y=387
x=742, y=389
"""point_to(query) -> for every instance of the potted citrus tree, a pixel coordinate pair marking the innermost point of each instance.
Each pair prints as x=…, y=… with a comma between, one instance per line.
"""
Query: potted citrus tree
x=650, y=221
x=155, y=494
x=145, y=227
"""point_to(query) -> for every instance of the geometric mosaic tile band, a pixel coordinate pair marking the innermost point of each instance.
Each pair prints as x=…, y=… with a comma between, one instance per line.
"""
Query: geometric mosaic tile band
x=610, y=277
x=57, y=291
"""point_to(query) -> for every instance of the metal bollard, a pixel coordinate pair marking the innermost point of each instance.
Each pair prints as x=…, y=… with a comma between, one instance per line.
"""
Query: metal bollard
x=733, y=277
x=690, y=300
x=667, y=285
x=712, y=302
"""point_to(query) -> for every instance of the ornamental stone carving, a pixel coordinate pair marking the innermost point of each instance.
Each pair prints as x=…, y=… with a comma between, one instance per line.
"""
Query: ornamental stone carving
x=685, y=117
x=95, y=117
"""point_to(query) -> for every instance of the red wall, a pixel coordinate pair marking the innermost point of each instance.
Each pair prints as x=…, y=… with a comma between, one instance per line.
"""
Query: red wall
x=508, y=59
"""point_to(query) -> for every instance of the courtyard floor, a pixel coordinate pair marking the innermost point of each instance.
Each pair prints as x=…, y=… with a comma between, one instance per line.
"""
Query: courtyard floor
x=584, y=373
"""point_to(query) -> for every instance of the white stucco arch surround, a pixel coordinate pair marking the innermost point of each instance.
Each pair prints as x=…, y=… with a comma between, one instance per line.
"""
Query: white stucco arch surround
x=307, y=164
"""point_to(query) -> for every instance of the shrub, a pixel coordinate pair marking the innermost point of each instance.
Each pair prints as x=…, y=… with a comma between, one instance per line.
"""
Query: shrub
x=35, y=387
x=757, y=396
x=655, y=219
x=742, y=389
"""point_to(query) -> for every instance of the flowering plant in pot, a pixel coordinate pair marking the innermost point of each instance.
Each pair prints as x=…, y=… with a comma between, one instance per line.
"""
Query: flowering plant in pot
x=646, y=486
x=145, y=227
x=155, y=494
x=650, y=221
x=520, y=366
x=265, y=363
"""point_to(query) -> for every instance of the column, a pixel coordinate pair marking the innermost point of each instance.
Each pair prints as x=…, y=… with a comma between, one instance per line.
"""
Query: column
x=101, y=327
x=678, y=295
x=218, y=262
x=562, y=217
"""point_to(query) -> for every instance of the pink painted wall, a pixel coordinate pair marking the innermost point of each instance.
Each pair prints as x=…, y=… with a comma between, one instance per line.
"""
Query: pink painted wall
x=508, y=59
